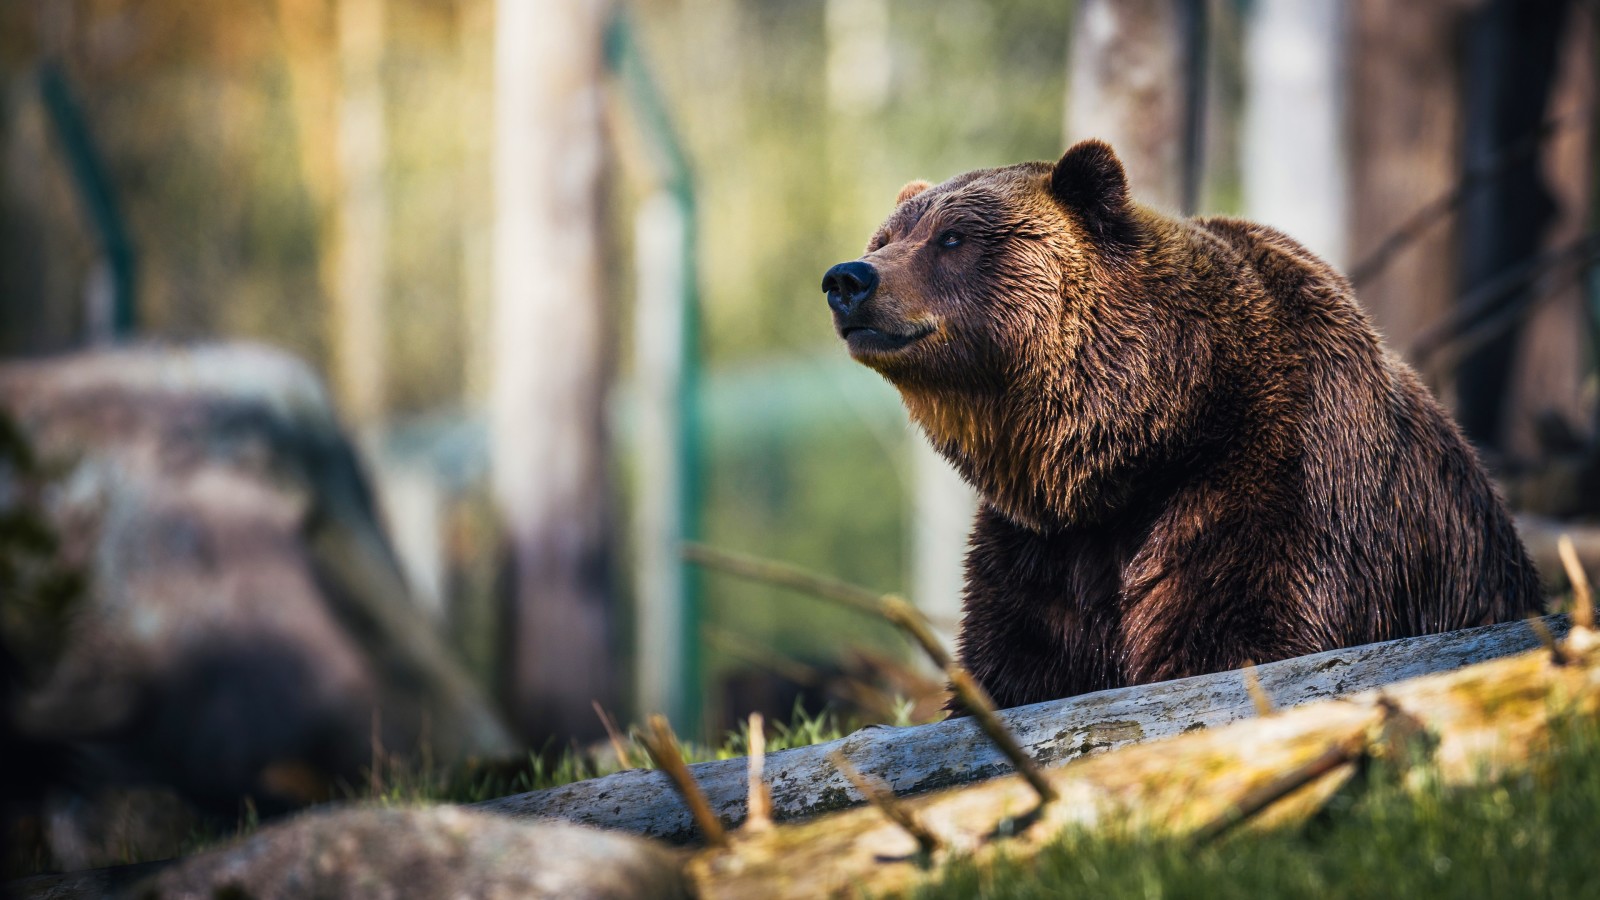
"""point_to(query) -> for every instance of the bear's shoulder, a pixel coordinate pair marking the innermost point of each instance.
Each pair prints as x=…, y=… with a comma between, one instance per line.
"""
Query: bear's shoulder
x=1276, y=256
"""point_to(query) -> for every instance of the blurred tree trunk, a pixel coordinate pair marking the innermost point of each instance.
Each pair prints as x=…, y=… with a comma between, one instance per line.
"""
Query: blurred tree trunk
x=1404, y=111
x=1552, y=356
x=336, y=91
x=1482, y=110
x=1295, y=158
x=1133, y=79
x=475, y=69
x=1510, y=69
x=360, y=221
x=548, y=441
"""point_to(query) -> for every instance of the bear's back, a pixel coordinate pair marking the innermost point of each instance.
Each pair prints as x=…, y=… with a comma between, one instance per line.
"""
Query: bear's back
x=1408, y=532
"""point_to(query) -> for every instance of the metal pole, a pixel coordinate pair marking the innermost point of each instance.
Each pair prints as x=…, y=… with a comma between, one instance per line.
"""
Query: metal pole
x=94, y=187
x=677, y=682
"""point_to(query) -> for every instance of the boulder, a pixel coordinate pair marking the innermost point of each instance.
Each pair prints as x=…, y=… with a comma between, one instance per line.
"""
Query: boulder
x=199, y=593
x=441, y=852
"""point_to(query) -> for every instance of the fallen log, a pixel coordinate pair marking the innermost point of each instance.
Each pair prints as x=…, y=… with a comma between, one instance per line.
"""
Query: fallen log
x=923, y=758
x=1470, y=724
x=1475, y=722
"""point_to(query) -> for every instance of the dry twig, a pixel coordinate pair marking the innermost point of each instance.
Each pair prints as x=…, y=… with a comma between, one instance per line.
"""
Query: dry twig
x=882, y=796
x=977, y=702
x=1582, y=595
x=663, y=748
x=1258, y=694
x=619, y=744
x=892, y=607
x=902, y=614
x=1557, y=655
x=759, y=800
x=1252, y=804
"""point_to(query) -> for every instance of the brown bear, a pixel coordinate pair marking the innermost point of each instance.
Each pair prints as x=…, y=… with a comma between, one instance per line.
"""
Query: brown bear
x=1192, y=449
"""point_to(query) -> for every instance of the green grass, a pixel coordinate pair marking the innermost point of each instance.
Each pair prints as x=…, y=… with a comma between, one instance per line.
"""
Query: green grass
x=398, y=782
x=1532, y=835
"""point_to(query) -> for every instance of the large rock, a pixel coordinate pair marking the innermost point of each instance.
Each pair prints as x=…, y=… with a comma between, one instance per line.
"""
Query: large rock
x=386, y=854
x=444, y=852
x=203, y=596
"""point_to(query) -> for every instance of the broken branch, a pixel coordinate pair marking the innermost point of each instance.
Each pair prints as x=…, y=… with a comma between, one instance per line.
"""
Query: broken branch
x=663, y=747
x=759, y=799
x=977, y=702
x=882, y=796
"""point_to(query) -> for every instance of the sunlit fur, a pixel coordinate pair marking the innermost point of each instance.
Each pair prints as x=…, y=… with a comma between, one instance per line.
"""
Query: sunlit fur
x=1193, y=450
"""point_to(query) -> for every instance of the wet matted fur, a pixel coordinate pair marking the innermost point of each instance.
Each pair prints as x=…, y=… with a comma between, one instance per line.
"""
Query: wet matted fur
x=1192, y=448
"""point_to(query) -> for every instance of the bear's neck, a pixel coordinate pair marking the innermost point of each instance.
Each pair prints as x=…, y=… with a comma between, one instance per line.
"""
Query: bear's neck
x=1046, y=478
x=1049, y=455
x=1030, y=474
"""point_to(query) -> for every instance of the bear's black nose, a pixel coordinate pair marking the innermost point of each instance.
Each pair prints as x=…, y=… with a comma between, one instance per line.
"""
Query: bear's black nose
x=849, y=284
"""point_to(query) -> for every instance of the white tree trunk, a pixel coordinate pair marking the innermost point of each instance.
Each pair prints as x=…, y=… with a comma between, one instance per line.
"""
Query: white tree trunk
x=1294, y=161
x=1125, y=85
x=548, y=447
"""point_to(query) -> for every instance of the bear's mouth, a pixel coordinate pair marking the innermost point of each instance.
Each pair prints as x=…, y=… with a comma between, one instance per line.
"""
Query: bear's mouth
x=862, y=339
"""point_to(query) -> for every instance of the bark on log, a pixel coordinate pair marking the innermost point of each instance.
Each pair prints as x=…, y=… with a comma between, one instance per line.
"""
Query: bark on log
x=927, y=757
x=548, y=448
x=1486, y=719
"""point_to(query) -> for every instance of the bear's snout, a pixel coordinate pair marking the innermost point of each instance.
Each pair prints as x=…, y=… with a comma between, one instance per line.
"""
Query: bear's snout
x=849, y=284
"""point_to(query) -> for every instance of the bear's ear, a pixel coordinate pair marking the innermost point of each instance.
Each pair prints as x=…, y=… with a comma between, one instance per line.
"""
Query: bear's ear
x=911, y=190
x=1089, y=181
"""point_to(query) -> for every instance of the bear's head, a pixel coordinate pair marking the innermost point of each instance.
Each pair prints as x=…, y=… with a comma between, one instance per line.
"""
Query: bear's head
x=1012, y=309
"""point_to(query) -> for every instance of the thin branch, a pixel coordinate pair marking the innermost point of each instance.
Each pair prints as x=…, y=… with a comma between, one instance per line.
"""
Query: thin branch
x=898, y=611
x=1557, y=655
x=1252, y=804
x=977, y=702
x=1582, y=596
x=1446, y=204
x=619, y=744
x=882, y=796
x=663, y=748
x=891, y=607
x=1464, y=330
x=759, y=799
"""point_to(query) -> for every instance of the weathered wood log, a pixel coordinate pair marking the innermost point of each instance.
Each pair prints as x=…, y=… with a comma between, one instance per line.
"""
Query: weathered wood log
x=927, y=757
x=1476, y=722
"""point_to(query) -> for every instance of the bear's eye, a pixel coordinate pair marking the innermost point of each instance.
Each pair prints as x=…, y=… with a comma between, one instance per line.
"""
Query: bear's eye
x=951, y=240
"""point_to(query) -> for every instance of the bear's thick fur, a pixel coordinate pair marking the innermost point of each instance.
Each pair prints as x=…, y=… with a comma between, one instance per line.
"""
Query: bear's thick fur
x=1192, y=449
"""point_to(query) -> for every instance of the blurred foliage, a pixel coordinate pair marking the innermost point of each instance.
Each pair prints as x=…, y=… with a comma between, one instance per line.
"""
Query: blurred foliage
x=794, y=177
x=218, y=125
x=41, y=588
x=793, y=180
